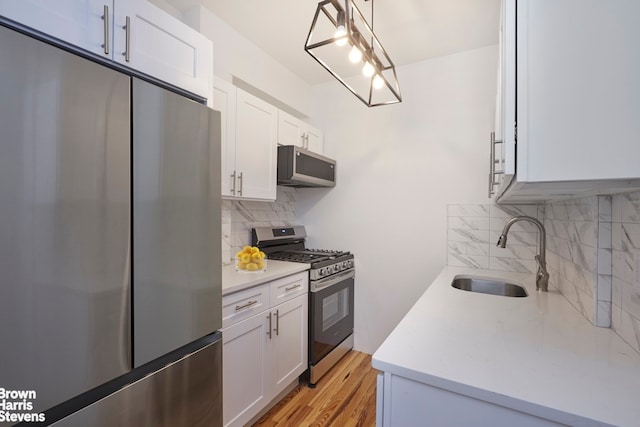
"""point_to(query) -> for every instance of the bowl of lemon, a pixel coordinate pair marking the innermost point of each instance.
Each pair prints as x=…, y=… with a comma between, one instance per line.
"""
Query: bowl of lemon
x=251, y=259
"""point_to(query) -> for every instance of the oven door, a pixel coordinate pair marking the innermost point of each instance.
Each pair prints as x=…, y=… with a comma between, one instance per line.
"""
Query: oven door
x=331, y=314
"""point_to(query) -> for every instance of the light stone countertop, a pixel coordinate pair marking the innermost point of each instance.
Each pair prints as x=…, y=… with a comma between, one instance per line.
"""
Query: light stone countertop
x=536, y=354
x=234, y=281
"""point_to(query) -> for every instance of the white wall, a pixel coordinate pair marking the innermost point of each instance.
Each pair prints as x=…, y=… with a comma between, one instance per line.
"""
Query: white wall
x=398, y=168
x=235, y=56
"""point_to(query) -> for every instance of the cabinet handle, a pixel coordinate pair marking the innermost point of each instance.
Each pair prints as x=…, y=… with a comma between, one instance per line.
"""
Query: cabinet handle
x=277, y=322
x=290, y=288
x=233, y=183
x=269, y=330
x=127, y=48
x=248, y=304
x=492, y=164
x=105, y=18
x=241, y=182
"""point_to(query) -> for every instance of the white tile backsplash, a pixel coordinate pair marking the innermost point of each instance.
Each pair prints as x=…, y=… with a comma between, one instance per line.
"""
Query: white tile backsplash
x=240, y=216
x=625, y=253
x=593, y=248
x=473, y=231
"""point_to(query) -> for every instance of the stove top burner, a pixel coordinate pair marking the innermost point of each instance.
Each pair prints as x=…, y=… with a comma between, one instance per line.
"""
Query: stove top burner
x=306, y=255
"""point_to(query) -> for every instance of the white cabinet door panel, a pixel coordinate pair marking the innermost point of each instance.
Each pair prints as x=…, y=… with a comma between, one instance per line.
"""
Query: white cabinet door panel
x=245, y=356
x=224, y=100
x=289, y=342
x=155, y=43
x=79, y=22
x=256, y=148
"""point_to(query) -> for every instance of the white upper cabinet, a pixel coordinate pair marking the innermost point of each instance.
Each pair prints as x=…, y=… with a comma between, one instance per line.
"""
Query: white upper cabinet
x=224, y=100
x=293, y=131
x=576, y=91
x=153, y=42
x=80, y=23
x=254, y=169
x=134, y=33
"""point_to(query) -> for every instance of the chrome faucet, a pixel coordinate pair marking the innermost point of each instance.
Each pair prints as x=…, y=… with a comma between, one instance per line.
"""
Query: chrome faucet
x=542, y=277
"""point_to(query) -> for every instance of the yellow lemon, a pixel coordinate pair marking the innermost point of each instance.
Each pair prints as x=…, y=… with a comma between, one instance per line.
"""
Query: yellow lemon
x=255, y=250
x=245, y=258
x=252, y=266
x=260, y=265
x=239, y=255
x=241, y=266
x=246, y=249
x=255, y=256
x=262, y=254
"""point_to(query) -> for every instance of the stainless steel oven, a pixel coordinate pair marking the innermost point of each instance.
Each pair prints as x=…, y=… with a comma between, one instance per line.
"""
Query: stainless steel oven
x=331, y=296
x=330, y=322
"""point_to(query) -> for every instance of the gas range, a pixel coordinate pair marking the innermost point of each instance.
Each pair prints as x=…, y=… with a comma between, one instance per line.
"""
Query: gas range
x=287, y=244
x=323, y=262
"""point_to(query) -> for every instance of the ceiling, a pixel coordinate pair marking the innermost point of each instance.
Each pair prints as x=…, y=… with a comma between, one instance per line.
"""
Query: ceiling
x=409, y=30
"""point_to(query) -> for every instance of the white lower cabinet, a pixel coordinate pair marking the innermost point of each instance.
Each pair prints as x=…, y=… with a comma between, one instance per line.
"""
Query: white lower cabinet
x=402, y=402
x=265, y=353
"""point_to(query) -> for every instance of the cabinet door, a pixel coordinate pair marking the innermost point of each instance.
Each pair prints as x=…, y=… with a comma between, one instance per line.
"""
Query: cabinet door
x=290, y=332
x=507, y=91
x=224, y=100
x=155, y=43
x=80, y=23
x=244, y=353
x=578, y=90
x=314, y=139
x=289, y=130
x=256, y=148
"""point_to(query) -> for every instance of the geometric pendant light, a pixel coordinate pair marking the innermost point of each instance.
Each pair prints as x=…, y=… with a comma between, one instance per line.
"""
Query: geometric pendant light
x=343, y=42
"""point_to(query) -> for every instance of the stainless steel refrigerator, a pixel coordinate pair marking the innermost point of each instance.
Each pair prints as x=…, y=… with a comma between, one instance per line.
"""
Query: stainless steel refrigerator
x=110, y=264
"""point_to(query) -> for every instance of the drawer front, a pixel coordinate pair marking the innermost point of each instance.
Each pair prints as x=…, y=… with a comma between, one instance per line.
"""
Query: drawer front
x=244, y=304
x=289, y=287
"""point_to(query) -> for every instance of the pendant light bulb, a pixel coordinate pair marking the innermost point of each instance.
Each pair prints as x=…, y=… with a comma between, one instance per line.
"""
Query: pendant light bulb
x=378, y=82
x=355, y=55
x=368, y=69
x=341, y=31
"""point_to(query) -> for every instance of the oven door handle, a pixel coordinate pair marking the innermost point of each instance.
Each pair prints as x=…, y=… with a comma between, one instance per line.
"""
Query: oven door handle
x=332, y=280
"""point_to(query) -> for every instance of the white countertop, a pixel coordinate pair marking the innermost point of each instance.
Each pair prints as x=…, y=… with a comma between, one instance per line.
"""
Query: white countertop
x=535, y=354
x=233, y=281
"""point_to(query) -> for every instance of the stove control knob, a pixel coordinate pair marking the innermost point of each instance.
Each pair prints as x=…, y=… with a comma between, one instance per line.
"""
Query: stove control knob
x=322, y=272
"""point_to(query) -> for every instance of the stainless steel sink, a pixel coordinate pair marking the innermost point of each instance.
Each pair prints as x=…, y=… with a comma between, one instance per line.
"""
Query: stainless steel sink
x=488, y=286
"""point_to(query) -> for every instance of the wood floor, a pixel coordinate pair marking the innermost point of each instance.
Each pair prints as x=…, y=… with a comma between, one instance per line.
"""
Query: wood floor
x=346, y=396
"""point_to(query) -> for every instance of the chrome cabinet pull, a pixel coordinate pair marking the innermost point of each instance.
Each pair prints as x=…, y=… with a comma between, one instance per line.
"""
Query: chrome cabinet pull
x=492, y=164
x=249, y=304
x=290, y=288
x=269, y=331
x=127, y=49
x=233, y=183
x=277, y=322
x=105, y=18
x=241, y=182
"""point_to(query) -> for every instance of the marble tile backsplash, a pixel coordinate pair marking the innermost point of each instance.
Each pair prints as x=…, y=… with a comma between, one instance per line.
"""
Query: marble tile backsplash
x=593, y=252
x=625, y=259
x=579, y=254
x=239, y=216
x=473, y=231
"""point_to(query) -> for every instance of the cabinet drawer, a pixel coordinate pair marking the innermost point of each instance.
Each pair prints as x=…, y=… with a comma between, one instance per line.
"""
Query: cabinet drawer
x=244, y=304
x=289, y=287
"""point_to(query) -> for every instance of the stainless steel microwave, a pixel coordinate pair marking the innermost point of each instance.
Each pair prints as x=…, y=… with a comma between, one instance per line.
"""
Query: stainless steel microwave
x=298, y=167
